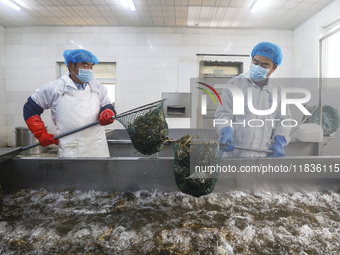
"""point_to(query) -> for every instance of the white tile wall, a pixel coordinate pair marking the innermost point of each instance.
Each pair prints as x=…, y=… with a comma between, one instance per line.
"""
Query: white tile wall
x=3, y=105
x=306, y=41
x=306, y=58
x=149, y=60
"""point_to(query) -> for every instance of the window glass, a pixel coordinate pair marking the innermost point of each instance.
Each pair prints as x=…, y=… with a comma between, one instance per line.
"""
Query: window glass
x=103, y=72
x=100, y=71
x=332, y=53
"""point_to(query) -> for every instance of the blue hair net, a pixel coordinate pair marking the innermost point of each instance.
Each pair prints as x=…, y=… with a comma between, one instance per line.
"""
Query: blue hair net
x=79, y=55
x=269, y=50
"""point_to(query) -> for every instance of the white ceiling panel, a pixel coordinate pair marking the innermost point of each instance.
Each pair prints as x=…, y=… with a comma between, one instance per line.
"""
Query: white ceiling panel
x=208, y=2
x=181, y=2
x=88, y=2
x=278, y=4
x=193, y=16
x=248, y=3
x=168, y=2
x=217, y=17
x=241, y=18
x=56, y=2
x=45, y=2
x=153, y=2
x=181, y=9
x=236, y=3
x=155, y=8
x=97, y=2
x=205, y=16
x=316, y=7
x=195, y=2
x=168, y=8
x=290, y=5
x=280, y=14
x=68, y=2
x=222, y=3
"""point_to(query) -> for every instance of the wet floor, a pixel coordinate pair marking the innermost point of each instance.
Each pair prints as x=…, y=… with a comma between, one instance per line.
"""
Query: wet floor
x=74, y=222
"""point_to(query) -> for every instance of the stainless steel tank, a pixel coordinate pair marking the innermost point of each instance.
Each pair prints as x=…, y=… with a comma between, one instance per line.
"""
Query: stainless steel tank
x=23, y=137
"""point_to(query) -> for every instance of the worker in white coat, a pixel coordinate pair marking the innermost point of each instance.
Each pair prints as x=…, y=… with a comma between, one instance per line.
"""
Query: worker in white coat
x=249, y=129
x=75, y=99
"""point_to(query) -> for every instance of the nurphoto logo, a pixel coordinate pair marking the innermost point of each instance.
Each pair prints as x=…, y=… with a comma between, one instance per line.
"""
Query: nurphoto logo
x=238, y=102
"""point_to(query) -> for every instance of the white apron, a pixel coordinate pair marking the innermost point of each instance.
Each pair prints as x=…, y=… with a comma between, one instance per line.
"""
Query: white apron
x=75, y=109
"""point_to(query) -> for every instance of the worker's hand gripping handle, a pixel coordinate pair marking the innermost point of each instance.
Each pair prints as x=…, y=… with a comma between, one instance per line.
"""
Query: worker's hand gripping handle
x=106, y=117
x=37, y=127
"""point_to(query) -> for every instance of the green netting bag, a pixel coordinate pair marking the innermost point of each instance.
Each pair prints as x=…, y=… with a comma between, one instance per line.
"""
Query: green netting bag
x=190, y=156
x=146, y=126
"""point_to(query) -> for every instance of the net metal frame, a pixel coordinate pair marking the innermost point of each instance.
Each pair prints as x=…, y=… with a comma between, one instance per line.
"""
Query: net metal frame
x=141, y=140
x=200, y=153
x=153, y=105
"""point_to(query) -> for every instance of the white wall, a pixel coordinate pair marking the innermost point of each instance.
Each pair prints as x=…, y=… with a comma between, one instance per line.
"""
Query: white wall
x=3, y=122
x=306, y=41
x=149, y=60
x=306, y=58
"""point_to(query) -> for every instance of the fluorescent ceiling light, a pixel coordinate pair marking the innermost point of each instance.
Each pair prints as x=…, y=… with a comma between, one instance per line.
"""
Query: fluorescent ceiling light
x=13, y=5
x=128, y=4
x=259, y=4
x=131, y=5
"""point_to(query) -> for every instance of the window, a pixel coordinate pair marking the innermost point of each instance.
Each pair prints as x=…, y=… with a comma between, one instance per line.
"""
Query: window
x=332, y=52
x=105, y=73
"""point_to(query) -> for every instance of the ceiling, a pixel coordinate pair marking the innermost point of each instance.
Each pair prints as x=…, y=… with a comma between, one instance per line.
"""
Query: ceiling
x=279, y=14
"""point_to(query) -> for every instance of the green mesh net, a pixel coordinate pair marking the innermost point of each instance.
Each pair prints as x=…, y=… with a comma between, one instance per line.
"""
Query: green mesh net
x=146, y=126
x=148, y=132
x=193, y=161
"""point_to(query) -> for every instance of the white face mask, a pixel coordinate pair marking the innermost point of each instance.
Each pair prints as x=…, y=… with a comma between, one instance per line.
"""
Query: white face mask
x=258, y=73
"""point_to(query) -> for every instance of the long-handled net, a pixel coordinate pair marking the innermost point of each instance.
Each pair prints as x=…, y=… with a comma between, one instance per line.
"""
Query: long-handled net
x=194, y=159
x=146, y=126
x=148, y=131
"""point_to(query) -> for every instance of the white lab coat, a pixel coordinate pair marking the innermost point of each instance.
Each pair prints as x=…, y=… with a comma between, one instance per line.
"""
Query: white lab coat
x=70, y=109
x=256, y=137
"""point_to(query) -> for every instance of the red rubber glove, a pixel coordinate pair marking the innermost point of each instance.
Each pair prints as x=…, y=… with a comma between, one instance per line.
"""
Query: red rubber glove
x=37, y=127
x=106, y=117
